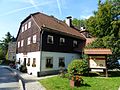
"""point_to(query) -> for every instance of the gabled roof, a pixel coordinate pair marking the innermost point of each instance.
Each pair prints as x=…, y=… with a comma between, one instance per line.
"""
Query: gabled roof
x=55, y=24
x=98, y=51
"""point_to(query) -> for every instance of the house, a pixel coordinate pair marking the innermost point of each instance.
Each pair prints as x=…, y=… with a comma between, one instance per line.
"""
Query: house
x=45, y=44
x=12, y=51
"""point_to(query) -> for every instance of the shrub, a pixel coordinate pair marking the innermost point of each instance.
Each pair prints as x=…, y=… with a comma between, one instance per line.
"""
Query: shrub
x=78, y=67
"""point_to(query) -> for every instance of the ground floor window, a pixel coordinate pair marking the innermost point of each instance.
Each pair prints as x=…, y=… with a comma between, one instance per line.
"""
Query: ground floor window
x=28, y=64
x=34, y=62
x=49, y=62
x=61, y=62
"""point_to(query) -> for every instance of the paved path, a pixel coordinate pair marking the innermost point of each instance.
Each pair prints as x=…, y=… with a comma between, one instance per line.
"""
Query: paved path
x=8, y=80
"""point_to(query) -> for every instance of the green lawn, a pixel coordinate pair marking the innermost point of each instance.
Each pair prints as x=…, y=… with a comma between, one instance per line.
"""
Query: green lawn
x=90, y=83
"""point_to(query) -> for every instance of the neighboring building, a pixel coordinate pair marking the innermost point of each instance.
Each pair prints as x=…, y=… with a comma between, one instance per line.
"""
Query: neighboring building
x=45, y=44
x=12, y=51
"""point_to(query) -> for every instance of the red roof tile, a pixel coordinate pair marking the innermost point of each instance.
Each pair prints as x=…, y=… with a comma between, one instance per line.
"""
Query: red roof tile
x=100, y=51
x=55, y=24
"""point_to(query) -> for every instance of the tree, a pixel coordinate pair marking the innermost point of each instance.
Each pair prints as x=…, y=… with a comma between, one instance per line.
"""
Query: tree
x=105, y=25
x=79, y=23
x=4, y=43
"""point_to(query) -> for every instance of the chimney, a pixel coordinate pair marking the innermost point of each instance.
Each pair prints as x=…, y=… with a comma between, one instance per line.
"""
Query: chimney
x=68, y=21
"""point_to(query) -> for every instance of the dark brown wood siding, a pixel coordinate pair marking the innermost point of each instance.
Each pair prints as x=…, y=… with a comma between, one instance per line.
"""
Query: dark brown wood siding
x=24, y=36
x=67, y=47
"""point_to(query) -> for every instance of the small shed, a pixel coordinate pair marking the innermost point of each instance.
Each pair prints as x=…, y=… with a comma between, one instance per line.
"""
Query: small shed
x=97, y=58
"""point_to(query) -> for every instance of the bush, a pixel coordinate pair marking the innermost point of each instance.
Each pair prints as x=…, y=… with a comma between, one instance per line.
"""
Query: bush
x=78, y=67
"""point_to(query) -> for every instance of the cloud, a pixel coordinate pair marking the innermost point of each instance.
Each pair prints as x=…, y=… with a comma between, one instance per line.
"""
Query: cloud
x=25, y=8
x=59, y=7
x=33, y=4
x=85, y=16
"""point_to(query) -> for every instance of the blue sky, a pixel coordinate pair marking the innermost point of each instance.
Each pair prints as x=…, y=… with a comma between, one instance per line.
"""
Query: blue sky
x=12, y=12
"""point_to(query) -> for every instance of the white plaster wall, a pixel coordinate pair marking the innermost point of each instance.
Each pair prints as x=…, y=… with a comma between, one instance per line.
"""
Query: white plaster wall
x=68, y=58
x=30, y=55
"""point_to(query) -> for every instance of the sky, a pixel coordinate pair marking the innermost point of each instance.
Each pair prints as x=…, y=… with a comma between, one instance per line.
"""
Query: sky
x=13, y=12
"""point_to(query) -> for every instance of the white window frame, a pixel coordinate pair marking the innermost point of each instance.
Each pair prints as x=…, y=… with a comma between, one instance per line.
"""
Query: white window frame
x=29, y=24
x=48, y=37
x=25, y=26
x=29, y=41
x=75, y=43
x=18, y=44
x=22, y=28
x=34, y=38
x=61, y=40
x=22, y=43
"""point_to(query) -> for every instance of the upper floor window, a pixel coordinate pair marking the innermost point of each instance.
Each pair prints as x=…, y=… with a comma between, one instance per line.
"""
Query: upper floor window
x=25, y=26
x=29, y=24
x=75, y=43
x=62, y=40
x=22, y=42
x=29, y=41
x=34, y=39
x=49, y=62
x=18, y=44
x=22, y=28
x=50, y=39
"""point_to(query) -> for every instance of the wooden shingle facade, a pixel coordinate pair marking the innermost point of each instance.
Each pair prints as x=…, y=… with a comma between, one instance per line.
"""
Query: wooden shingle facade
x=45, y=44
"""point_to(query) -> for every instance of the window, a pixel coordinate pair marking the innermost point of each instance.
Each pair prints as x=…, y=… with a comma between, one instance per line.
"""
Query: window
x=22, y=28
x=74, y=43
x=22, y=42
x=28, y=64
x=61, y=62
x=29, y=24
x=62, y=41
x=18, y=44
x=25, y=26
x=34, y=62
x=19, y=61
x=34, y=39
x=29, y=41
x=50, y=39
x=49, y=62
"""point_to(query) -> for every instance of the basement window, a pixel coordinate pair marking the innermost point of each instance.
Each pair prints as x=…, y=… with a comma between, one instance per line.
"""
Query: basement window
x=50, y=39
x=49, y=62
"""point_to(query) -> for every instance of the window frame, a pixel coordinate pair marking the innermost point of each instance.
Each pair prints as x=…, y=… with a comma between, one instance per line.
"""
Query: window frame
x=28, y=40
x=75, y=43
x=50, y=37
x=34, y=38
x=26, y=27
x=60, y=62
x=34, y=62
x=50, y=64
x=62, y=39
x=19, y=44
x=22, y=43
x=29, y=24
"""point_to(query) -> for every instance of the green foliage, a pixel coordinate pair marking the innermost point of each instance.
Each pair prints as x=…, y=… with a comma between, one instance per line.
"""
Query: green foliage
x=105, y=25
x=91, y=83
x=4, y=44
x=77, y=67
x=79, y=23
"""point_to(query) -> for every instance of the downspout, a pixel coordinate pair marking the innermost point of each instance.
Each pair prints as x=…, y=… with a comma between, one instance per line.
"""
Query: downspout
x=40, y=45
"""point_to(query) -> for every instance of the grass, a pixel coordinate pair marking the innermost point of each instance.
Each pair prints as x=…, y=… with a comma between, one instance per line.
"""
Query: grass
x=90, y=83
